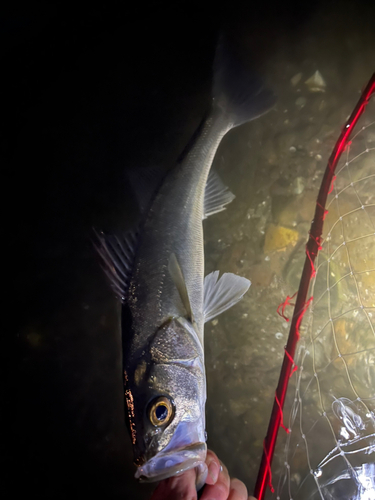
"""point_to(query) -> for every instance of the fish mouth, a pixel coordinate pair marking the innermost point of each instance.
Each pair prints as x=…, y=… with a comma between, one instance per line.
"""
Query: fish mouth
x=172, y=463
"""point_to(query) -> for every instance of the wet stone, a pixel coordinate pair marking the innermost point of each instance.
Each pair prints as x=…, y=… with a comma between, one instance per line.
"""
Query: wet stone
x=296, y=79
x=261, y=274
x=316, y=82
x=301, y=102
x=298, y=185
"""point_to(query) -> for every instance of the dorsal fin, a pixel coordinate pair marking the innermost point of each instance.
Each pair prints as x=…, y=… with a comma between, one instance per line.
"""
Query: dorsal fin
x=216, y=195
x=117, y=253
x=221, y=294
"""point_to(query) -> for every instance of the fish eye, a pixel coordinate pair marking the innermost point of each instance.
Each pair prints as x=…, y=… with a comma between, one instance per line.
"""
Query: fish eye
x=160, y=411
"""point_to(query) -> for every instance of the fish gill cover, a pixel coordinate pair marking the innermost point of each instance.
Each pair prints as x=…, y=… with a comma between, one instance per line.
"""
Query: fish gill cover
x=328, y=449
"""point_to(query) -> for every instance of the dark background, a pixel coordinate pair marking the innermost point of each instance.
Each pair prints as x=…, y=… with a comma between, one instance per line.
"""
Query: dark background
x=89, y=93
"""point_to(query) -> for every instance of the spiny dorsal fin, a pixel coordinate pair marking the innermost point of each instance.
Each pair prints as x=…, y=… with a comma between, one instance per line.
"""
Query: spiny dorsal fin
x=117, y=253
x=221, y=294
x=178, y=279
x=216, y=195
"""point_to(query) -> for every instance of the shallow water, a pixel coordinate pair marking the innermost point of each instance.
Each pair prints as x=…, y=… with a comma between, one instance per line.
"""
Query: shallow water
x=91, y=108
x=328, y=451
x=245, y=347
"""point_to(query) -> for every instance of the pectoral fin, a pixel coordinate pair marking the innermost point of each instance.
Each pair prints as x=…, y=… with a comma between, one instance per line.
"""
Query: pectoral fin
x=221, y=294
x=175, y=271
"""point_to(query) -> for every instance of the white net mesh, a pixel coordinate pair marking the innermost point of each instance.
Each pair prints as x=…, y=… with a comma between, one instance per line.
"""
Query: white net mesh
x=330, y=406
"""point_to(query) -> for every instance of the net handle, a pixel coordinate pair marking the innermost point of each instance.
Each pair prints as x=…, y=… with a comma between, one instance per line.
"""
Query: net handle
x=312, y=249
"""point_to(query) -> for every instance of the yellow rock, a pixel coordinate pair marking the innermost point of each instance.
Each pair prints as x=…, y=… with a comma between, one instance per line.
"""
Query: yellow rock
x=279, y=237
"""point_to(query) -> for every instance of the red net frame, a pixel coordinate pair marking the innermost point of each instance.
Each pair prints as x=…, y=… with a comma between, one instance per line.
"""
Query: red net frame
x=301, y=304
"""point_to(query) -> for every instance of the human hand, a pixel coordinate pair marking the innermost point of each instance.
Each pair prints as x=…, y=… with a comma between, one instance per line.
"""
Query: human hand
x=219, y=486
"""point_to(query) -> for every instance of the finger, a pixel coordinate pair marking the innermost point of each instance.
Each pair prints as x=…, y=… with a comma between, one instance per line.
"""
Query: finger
x=251, y=498
x=182, y=486
x=219, y=490
x=213, y=464
x=238, y=490
x=201, y=475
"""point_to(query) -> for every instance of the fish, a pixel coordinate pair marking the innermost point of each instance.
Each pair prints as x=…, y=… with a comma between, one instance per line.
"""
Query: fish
x=157, y=271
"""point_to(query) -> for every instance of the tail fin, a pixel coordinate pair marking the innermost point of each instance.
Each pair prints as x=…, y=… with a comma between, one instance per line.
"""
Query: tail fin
x=239, y=92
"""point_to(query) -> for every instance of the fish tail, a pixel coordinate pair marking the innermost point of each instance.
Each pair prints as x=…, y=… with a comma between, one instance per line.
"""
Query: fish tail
x=238, y=91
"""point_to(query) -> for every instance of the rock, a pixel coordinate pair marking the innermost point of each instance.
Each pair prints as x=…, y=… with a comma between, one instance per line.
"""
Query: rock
x=289, y=210
x=296, y=79
x=301, y=102
x=261, y=274
x=284, y=210
x=307, y=204
x=316, y=83
x=298, y=185
x=279, y=237
x=293, y=268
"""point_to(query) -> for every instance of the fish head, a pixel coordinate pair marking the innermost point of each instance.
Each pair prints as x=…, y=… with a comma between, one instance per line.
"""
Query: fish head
x=165, y=397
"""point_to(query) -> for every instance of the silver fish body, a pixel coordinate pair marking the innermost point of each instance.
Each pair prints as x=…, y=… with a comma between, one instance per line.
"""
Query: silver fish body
x=166, y=298
x=174, y=226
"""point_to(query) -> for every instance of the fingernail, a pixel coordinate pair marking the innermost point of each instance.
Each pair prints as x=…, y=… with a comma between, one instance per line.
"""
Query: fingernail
x=202, y=472
x=214, y=471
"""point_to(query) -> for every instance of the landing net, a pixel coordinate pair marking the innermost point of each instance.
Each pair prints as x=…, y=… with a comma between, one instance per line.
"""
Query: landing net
x=328, y=448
